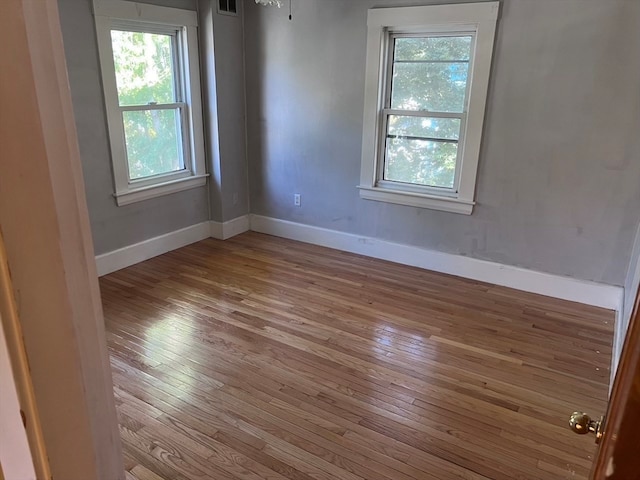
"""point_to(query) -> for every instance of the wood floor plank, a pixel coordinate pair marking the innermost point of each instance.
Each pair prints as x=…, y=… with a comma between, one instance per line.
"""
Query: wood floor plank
x=263, y=358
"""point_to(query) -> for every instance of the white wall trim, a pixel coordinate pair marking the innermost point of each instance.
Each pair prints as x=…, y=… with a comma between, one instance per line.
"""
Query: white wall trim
x=623, y=318
x=619, y=333
x=475, y=19
x=182, y=24
x=226, y=230
x=139, y=252
x=633, y=280
x=589, y=293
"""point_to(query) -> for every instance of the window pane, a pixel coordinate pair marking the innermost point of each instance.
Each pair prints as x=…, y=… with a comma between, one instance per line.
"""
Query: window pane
x=438, y=87
x=424, y=127
x=433, y=48
x=144, y=67
x=430, y=73
x=153, y=142
x=421, y=162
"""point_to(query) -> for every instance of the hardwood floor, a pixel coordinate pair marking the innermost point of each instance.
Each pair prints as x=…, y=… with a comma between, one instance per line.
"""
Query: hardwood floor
x=263, y=358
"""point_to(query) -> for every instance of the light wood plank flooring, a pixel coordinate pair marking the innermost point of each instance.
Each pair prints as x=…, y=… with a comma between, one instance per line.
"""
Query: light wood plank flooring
x=263, y=358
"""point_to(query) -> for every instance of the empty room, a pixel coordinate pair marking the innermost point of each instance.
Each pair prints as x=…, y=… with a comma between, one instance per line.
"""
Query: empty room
x=320, y=239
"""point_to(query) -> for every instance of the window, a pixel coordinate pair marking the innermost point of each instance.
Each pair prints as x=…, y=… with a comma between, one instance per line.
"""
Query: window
x=149, y=61
x=425, y=93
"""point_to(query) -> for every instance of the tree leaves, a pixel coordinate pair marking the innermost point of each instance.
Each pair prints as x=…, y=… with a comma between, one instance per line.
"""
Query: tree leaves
x=145, y=75
x=429, y=74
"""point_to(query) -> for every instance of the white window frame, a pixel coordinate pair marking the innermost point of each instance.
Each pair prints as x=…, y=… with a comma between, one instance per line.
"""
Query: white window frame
x=475, y=19
x=125, y=15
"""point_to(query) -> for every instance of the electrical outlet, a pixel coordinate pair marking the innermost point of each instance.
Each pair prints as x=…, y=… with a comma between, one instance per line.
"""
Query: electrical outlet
x=296, y=199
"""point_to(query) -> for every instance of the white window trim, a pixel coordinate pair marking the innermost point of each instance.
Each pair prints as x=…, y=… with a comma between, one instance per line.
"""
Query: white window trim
x=477, y=18
x=110, y=13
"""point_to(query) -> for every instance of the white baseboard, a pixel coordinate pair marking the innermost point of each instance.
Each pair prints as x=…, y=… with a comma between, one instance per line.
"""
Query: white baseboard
x=590, y=293
x=226, y=230
x=139, y=252
x=566, y=288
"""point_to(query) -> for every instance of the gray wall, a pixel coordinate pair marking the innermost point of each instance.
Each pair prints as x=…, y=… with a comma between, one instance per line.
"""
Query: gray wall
x=559, y=178
x=114, y=227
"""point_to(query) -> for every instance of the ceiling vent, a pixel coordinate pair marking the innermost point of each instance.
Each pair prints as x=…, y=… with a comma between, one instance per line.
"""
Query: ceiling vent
x=228, y=7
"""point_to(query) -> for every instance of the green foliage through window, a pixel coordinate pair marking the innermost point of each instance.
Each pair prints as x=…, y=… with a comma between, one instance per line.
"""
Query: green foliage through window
x=429, y=74
x=146, y=75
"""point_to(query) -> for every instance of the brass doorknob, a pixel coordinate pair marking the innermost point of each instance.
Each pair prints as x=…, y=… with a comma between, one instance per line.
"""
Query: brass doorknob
x=581, y=423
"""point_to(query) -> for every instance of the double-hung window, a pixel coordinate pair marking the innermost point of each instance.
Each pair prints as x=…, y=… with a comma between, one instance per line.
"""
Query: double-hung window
x=425, y=94
x=149, y=62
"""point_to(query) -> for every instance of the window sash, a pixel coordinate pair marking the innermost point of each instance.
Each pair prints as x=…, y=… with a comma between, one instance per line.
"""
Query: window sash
x=183, y=138
x=153, y=106
x=178, y=62
x=387, y=111
x=179, y=104
x=382, y=148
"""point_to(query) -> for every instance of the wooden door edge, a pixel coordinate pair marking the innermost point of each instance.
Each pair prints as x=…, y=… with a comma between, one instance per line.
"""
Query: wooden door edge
x=20, y=366
x=628, y=370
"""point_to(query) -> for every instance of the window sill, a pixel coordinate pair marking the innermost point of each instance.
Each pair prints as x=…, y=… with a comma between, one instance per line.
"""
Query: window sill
x=420, y=200
x=140, y=194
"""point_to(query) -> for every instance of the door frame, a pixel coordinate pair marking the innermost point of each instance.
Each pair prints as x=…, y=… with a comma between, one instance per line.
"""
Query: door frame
x=617, y=457
x=45, y=226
